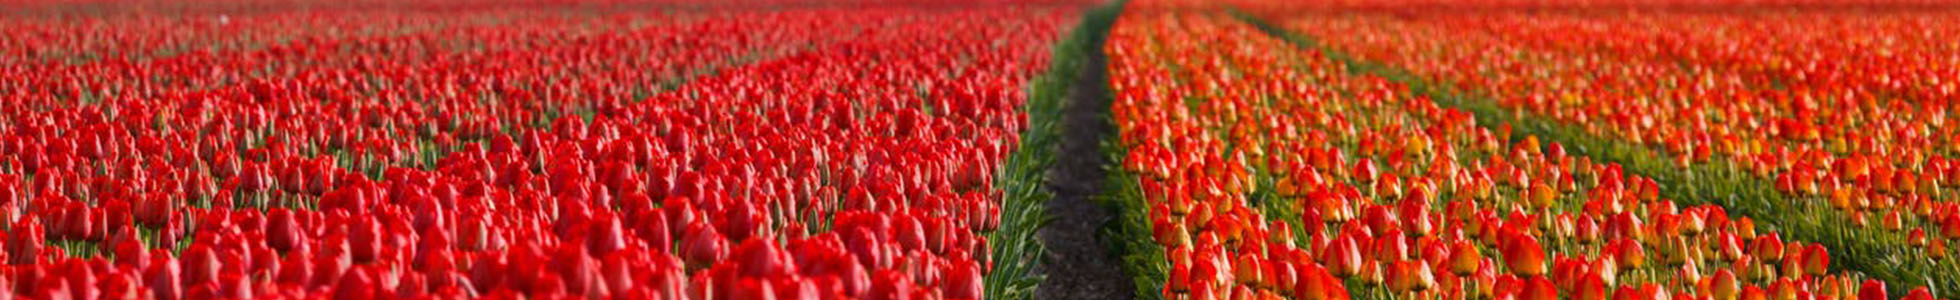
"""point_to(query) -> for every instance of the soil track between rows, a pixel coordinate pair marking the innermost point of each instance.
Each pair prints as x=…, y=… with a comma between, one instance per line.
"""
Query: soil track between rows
x=1079, y=265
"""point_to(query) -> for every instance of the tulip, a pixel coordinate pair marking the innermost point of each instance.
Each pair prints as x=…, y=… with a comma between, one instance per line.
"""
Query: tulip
x=1872, y=290
x=1365, y=171
x=1629, y=255
x=201, y=264
x=1464, y=258
x=1313, y=283
x=1343, y=257
x=1768, y=247
x=656, y=231
x=356, y=285
x=1950, y=227
x=1247, y=269
x=1391, y=246
x=964, y=282
x=25, y=242
x=1525, y=256
x=1372, y=273
x=1179, y=279
x=1725, y=286
x=701, y=246
x=1538, y=288
x=890, y=285
x=1937, y=250
x=283, y=231
x=761, y=258
x=1283, y=275
x=1919, y=294
x=1591, y=288
x=1410, y=276
x=608, y=235
x=164, y=282
x=1816, y=260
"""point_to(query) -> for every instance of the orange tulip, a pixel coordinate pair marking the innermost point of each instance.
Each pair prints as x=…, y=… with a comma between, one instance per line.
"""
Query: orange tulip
x=1725, y=286
x=1816, y=260
x=1525, y=256
x=1464, y=258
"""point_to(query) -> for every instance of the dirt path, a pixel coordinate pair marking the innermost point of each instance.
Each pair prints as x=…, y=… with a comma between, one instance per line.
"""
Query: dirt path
x=1079, y=265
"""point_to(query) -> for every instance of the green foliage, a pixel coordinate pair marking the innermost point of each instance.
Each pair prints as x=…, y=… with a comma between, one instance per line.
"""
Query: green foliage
x=1129, y=234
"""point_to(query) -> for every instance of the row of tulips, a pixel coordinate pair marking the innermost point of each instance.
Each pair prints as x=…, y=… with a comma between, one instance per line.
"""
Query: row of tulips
x=473, y=151
x=1270, y=171
x=1840, y=111
x=1501, y=6
x=465, y=72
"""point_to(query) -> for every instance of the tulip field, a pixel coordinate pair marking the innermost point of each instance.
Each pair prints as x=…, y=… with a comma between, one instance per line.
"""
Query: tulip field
x=1629, y=150
x=471, y=150
x=931, y=149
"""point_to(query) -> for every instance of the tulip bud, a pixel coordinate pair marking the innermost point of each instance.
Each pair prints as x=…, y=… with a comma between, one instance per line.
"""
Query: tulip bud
x=26, y=242
x=701, y=246
x=1343, y=257
x=356, y=285
x=1920, y=293
x=1872, y=289
x=1525, y=256
x=1768, y=247
x=283, y=231
x=1538, y=288
x=1725, y=285
x=1247, y=271
x=1591, y=288
x=1179, y=279
x=605, y=236
x=1816, y=260
x=1464, y=258
x=164, y=283
x=1937, y=250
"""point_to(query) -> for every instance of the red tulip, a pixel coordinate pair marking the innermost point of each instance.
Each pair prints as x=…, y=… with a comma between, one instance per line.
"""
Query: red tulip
x=365, y=241
x=1538, y=288
x=130, y=252
x=702, y=246
x=1872, y=290
x=1343, y=257
x=356, y=285
x=1391, y=246
x=964, y=282
x=1754, y=293
x=1365, y=171
x=163, y=279
x=296, y=268
x=656, y=231
x=283, y=231
x=1525, y=256
x=1590, y=288
x=1919, y=294
x=890, y=284
x=759, y=258
x=200, y=264
x=25, y=242
x=1179, y=279
x=607, y=235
